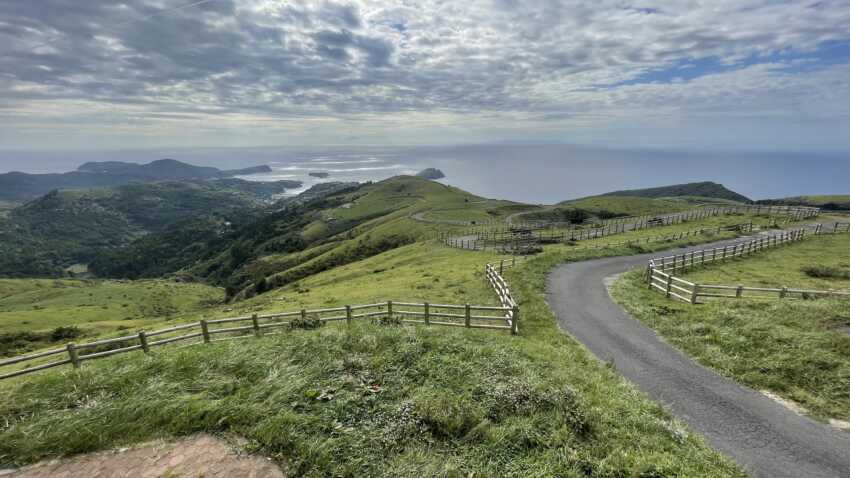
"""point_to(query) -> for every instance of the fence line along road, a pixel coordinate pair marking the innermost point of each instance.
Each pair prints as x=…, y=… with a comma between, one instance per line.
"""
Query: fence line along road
x=484, y=238
x=660, y=271
x=505, y=317
x=746, y=227
x=617, y=225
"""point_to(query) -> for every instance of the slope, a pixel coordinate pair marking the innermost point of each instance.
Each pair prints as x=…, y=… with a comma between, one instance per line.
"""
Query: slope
x=706, y=189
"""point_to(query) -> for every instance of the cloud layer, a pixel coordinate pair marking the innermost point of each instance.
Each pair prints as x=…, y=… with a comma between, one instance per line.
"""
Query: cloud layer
x=266, y=71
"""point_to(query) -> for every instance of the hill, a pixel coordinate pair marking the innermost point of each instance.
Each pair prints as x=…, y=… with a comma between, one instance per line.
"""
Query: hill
x=835, y=202
x=311, y=233
x=705, y=189
x=16, y=186
x=63, y=228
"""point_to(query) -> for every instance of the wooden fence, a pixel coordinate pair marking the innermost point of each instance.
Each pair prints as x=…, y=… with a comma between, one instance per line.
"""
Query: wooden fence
x=493, y=272
x=688, y=260
x=503, y=317
x=481, y=245
x=627, y=223
x=841, y=227
x=660, y=271
x=502, y=238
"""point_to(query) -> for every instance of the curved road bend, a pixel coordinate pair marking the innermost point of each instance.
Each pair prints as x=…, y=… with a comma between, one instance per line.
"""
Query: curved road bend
x=763, y=436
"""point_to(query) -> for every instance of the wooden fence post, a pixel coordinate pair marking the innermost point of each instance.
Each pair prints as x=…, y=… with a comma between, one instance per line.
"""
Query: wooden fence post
x=255, y=322
x=783, y=292
x=739, y=291
x=468, y=316
x=694, y=294
x=143, y=341
x=389, y=310
x=515, y=320
x=427, y=314
x=205, y=331
x=72, y=354
x=669, y=284
x=348, y=314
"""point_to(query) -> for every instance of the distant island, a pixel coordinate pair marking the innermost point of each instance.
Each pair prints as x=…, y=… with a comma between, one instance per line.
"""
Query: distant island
x=16, y=186
x=431, y=173
x=320, y=175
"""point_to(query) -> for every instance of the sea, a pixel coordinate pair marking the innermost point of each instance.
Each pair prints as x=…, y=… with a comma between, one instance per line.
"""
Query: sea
x=530, y=173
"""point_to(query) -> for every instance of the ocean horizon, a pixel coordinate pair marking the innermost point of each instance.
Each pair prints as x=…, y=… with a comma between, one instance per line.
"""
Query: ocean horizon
x=532, y=173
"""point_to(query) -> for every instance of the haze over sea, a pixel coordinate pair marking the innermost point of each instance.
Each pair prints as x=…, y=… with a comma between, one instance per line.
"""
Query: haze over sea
x=534, y=173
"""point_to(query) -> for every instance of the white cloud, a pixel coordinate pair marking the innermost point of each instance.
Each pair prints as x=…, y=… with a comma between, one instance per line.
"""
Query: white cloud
x=266, y=71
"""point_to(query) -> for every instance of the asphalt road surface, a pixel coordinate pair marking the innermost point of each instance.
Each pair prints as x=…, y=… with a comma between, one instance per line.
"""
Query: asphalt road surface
x=765, y=437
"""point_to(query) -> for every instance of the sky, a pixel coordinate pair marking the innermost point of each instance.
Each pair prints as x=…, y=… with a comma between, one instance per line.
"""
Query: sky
x=699, y=75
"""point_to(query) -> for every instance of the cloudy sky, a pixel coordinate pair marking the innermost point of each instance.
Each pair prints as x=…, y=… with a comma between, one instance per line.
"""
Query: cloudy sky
x=733, y=74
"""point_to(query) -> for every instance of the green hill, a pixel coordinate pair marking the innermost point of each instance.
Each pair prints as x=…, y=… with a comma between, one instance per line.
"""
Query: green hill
x=302, y=237
x=45, y=236
x=705, y=189
x=835, y=202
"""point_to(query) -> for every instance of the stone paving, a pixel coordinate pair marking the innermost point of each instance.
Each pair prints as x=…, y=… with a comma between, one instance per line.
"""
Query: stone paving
x=201, y=456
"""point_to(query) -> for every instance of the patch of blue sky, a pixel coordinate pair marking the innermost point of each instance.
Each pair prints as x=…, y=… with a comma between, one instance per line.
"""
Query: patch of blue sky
x=788, y=61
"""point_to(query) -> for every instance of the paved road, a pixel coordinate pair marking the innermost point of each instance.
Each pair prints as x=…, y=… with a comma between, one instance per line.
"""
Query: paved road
x=766, y=438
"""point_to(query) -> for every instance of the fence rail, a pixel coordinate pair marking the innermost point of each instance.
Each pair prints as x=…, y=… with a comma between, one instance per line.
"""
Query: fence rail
x=493, y=273
x=503, y=237
x=687, y=260
x=660, y=271
x=504, y=317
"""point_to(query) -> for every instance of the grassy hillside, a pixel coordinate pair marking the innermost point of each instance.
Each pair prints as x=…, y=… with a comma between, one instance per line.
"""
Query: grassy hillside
x=63, y=228
x=828, y=202
x=605, y=207
x=799, y=350
x=702, y=189
x=299, y=240
x=32, y=310
x=376, y=400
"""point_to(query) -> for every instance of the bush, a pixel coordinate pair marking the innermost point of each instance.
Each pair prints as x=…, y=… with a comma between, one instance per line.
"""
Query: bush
x=65, y=333
x=826, y=272
x=306, y=323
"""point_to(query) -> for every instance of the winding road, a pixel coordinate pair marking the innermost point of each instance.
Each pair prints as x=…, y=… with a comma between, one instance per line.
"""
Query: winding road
x=765, y=437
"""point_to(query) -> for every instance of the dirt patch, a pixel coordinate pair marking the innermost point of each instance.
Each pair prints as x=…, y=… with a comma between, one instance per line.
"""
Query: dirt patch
x=789, y=404
x=199, y=456
x=610, y=280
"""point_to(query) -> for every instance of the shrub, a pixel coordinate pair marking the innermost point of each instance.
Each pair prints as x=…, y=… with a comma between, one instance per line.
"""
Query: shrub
x=307, y=323
x=826, y=272
x=65, y=333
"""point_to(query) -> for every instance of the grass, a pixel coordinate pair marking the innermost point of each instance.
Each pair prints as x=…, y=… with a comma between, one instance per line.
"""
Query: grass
x=630, y=206
x=37, y=306
x=821, y=262
x=797, y=349
x=376, y=400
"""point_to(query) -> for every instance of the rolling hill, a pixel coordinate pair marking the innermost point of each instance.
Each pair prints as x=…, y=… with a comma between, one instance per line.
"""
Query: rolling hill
x=705, y=189
x=302, y=236
x=17, y=186
x=44, y=237
x=835, y=202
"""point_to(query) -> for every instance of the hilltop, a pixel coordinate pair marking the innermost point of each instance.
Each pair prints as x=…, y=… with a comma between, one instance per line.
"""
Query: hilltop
x=704, y=189
x=17, y=186
x=638, y=202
